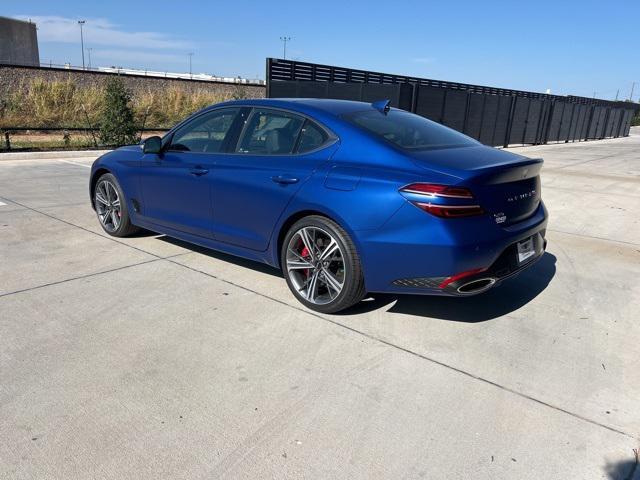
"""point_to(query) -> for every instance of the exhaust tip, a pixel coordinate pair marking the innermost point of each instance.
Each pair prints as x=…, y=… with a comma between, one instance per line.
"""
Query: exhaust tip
x=477, y=286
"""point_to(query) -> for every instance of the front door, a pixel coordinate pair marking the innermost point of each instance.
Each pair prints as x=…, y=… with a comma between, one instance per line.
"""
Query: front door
x=176, y=185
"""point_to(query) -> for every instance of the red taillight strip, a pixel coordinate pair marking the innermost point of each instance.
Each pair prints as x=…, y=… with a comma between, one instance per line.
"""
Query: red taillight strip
x=461, y=275
x=437, y=190
x=450, y=211
x=443, y=195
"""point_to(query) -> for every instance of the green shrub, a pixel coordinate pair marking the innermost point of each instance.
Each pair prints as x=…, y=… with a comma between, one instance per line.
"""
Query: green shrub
x=117, y=125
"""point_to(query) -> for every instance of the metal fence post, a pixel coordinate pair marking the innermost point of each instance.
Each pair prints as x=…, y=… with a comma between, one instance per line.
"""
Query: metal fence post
x=573, y=111
x=267, y=92
x=466, y=112
x=414, y=97
x=591, y=114
x=507, y=135
x=525, y=130
x=606, y=123
x=552, y=106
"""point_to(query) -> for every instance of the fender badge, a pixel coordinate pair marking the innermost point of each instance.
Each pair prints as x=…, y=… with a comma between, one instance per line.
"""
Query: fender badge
x=500, y=217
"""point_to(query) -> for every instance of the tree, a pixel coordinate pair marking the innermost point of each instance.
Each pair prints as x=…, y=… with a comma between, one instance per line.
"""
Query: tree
x=117, y=124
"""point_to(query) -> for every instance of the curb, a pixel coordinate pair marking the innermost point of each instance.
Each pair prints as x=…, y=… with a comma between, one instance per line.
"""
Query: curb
x=51, y=154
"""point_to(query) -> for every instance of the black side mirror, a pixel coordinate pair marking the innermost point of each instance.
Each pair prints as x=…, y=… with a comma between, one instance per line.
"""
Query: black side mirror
x=152, y=145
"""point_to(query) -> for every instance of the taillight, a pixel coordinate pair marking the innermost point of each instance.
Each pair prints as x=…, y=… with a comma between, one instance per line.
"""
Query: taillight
x=446, y=209
x=436, y=190
x=450, y=211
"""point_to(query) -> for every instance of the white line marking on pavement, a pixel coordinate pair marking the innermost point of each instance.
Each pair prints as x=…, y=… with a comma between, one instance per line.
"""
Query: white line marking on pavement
x=74, y=163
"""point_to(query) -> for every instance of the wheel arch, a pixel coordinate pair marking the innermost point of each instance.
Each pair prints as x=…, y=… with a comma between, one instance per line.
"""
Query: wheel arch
x=94, y=180
x=295, y=216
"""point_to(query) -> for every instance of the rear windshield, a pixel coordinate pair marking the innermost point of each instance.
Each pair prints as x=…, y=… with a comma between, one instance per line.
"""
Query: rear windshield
x=407, y=130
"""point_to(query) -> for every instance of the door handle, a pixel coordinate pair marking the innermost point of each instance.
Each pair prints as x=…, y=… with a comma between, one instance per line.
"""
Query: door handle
x=284, y=179
x=199, y=171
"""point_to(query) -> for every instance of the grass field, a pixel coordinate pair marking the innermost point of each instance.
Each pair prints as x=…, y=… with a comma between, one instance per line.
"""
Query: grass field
x=39, y=103
x=63, y=104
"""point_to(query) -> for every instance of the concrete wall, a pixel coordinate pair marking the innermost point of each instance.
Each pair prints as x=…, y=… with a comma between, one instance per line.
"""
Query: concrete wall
x=18, y=42
x=14, y=77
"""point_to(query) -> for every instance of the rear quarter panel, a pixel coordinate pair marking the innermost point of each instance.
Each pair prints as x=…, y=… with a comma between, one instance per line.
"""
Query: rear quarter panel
x=357, y=188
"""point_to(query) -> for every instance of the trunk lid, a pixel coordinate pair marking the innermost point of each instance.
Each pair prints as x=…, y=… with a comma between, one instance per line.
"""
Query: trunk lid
x=505, y=185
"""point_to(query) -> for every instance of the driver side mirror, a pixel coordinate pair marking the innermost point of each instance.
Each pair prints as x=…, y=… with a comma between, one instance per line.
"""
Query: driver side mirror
x=152, y=145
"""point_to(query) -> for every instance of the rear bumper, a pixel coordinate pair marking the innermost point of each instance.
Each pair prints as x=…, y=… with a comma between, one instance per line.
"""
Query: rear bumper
x=414, y=254
x=504, y=267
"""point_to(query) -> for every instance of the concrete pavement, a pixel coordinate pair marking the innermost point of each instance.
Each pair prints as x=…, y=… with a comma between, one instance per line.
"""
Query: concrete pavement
x=150, y=358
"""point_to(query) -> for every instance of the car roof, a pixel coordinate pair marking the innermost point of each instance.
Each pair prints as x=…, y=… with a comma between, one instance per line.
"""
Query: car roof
x=306, y=105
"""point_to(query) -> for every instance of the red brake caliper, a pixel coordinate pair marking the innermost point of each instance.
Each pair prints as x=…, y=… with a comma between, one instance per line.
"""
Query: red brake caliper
x=304, y=254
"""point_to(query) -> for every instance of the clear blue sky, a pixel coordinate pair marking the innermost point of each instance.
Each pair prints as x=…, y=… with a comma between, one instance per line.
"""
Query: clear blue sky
x=569, y=46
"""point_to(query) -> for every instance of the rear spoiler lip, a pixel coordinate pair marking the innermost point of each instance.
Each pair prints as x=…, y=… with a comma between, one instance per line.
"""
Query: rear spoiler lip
x=521, y=170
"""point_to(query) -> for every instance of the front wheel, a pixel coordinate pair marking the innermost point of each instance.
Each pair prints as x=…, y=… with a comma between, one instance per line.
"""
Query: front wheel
x=321, y=265
x=111, y=207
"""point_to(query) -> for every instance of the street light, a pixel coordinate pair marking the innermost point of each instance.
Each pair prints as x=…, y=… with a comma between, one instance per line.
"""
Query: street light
x=81, y=23
x=284, y=40
x=190, y=57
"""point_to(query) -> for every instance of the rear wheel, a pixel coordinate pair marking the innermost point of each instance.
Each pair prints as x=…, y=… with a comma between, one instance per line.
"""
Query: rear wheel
x=111, y=207
x=321, y=265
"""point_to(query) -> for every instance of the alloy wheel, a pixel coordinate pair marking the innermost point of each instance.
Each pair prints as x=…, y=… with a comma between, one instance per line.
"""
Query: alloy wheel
x=315, y=265
x=108, y=207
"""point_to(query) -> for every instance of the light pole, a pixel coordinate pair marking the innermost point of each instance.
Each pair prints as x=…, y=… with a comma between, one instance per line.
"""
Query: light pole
x=81, y=23
x=633, y=86
x=89, y=52
x=284, y=40
x=190, y=71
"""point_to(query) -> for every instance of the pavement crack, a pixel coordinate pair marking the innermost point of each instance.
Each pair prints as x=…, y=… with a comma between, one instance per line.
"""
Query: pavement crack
x=80, y=277
x=53, y=217
x=329, y=320
x=593, y=237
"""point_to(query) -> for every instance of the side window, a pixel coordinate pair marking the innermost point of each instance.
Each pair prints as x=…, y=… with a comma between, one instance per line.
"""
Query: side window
x=270, y=132
x=311, y=137
x=205, y=134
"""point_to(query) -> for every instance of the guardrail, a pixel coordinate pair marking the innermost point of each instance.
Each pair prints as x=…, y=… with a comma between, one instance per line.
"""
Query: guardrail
x=6, y=133
x=494, y=116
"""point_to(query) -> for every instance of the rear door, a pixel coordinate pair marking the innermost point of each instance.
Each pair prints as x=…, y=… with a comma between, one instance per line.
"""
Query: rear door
x=276, y=153
x=176, y=185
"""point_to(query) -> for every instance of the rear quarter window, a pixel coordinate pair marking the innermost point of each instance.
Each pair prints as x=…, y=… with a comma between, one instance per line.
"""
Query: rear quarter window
x=311, y=137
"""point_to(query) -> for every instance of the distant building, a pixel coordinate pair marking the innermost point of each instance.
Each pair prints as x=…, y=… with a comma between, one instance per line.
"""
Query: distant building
x=18, y=42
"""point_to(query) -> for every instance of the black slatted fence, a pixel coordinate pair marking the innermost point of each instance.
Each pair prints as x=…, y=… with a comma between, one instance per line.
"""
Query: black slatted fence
x=494, y=116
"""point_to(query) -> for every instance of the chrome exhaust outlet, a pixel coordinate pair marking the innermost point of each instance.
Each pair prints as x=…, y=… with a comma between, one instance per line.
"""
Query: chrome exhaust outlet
x=477, y=286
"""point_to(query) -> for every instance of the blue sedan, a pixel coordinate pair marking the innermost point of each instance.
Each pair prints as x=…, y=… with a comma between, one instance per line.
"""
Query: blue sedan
x=345, y=197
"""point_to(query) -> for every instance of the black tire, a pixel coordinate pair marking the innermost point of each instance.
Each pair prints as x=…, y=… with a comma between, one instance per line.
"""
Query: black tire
x=353, y=289
x=124, y=227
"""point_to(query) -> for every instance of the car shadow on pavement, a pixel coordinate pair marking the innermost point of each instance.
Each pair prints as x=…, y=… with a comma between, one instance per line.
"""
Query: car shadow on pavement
x=225, y=257
x=624, y=470
x=501, y=300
